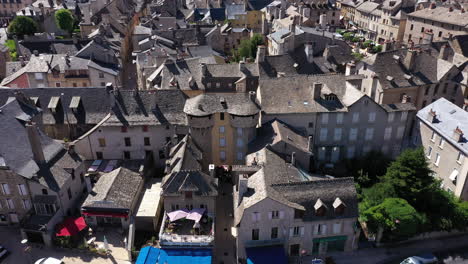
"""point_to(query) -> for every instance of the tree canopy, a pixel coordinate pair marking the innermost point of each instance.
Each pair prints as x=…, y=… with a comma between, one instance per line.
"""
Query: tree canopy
x=22, y=25
x=65, y=20
x=247, y=48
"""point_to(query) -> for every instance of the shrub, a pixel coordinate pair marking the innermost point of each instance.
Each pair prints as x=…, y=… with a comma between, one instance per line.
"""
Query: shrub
x=348, y=36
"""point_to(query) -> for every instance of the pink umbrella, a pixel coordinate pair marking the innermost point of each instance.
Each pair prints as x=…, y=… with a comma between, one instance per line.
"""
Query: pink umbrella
x=178, y=214
x=196, y=214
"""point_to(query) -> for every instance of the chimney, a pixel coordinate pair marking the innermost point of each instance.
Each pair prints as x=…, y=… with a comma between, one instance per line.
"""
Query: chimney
x=75, y=39
x=433, y=5
x=305, y=12
x=457, y=135
x=350, y=69
x=261, y=50
x=309, y=51
x=36, y=53
x=293, y=158
x=292, y=27
x=428, y=36
x=451, y=9
x=323, y=21
x=242, y=186
x=409, y=59
x=444, y=50
x=317, y=90
x=281, y=14
x=212, y=170
x=35, y=142
x=310, y=143
x=21, y=59
x=242, y=65
x=204, y=70
x=252, y=96
x=431, y=116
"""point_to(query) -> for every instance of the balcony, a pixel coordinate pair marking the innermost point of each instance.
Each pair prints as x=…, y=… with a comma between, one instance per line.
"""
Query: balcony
x=182, y=233
x=263, y=243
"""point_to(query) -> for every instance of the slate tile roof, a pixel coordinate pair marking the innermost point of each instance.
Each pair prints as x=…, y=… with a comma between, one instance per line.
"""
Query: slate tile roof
x=185, y=155
x=448, y=118
x=116, y=189
x=198, y=182
x=237, y=104
x=442, y=14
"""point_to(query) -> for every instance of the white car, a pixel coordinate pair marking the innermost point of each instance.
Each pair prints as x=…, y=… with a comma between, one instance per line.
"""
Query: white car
x=420, y=259
x=48, y=260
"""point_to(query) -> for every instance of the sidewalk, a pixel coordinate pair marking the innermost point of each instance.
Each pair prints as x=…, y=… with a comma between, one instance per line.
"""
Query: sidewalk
x=383, y=255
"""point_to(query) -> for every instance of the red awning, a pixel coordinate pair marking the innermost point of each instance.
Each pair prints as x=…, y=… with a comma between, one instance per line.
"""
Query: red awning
x=105, y=214
x=71, y=226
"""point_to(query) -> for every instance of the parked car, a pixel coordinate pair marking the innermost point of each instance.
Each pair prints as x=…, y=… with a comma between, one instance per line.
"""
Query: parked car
x=420, y=259
x=48, y=260
x=318, y=261
x=3, y=252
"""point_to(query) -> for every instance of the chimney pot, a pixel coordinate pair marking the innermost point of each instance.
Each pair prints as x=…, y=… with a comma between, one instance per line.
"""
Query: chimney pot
x=458, y=134
x=432, y=116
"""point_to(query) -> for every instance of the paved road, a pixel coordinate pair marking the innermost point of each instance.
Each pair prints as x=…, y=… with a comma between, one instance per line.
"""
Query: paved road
x=224, y=251
x=454, y=256
x=10, y=238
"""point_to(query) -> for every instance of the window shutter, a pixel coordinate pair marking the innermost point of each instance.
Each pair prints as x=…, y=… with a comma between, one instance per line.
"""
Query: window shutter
x=302, y=231
x=253, y=217
x=324, y=229
x=316, y=228
x=269, y=215
x=291, y=232
x=281, y=214
x=259, y=217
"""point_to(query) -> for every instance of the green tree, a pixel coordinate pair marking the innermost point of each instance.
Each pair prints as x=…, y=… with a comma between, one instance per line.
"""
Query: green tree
x=22, y=25
x=348, y=36
x=255, y=41
x=396, y=216
x=410, y=175
x=377, y=49
x=65, y=20
x=247, y=48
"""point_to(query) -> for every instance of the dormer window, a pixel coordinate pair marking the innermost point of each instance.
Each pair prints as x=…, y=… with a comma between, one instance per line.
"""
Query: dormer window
x=75, y=103
x=339, y=206
x=54, y=103
x=320, y=208
x=331, y=97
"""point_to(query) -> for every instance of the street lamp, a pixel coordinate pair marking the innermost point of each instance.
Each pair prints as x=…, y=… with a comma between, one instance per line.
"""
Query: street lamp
x=27, y=250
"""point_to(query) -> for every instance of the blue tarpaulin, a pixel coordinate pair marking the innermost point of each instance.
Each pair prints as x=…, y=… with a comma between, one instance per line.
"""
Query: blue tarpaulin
x=151, y=255
x=266, y=255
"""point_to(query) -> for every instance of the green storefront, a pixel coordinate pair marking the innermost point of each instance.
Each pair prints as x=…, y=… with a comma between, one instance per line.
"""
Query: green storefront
x=329, y=244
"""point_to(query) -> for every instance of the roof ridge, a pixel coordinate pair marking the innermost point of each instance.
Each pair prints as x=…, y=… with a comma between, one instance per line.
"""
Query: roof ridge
x=344, y=179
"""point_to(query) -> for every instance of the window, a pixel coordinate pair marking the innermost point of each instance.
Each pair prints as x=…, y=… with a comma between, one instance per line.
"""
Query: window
x=427, y=90
x=335, y=155
x=404, y=116
x=146, y=141
x=101, y=75
x=85, y=84
x=69, y=194
x=436, y=89
x=433, y=137
x=274, y=215
x=336, y=228
x=321, y=153
x=437, y=159
x=391, y=116
x=126, y=154
x=222, y=142
x=412, y=26
x=274, y=232
x=102, y=142
x=297, y=231
x=429, y=152
x=322, y=229
x=123, y=129
x=127, y=141
x=400, y=132
x=10, y=203
x=422, y=29
x=99, y=155
x=388, y=133
x=240, y=155
x=221, y=116
x=256, y=217
x=26, y=204
x=339, y=118
x=45, y=192
x=222, y=155
x=353, y=132
x=221, y=129
x=371, y=117
x=323, y=134
x=337, y=135
x=441, y=142
x=145, y=128
x=57, y=84
x=255, y=234
x=240, y=132
x=6, y=189
x=350, y=153
x=188, y=195
x=240, y=142
x=75, y=85
x=369, y=133
x=325, y=118
x=355, y=117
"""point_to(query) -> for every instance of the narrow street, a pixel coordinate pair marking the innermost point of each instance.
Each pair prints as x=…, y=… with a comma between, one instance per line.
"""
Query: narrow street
x=224, y=251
